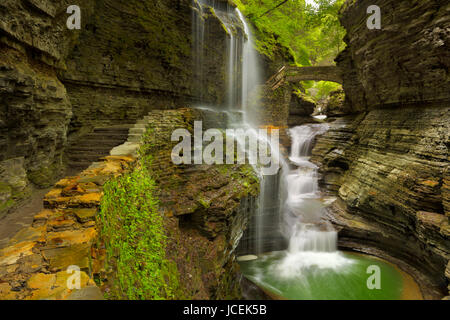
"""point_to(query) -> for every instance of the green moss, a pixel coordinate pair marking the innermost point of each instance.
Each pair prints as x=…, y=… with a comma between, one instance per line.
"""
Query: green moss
x=204, y=202
x=5, y=188
x=134, y=236
x=45, y=176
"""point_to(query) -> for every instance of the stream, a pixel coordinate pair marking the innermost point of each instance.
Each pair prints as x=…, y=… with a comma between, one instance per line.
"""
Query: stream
x=311, y=267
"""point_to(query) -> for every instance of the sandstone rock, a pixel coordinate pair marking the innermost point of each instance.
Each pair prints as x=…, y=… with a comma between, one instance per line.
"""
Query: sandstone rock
x=54, y=286
x=33, y=234
x=62, y=258
x=70, y=238
x=10, y=255
x=87, y=293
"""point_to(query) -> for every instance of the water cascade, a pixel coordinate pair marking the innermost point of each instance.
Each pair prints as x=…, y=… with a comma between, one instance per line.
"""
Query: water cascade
x=312, y=240
x=290, y=205
x=243, y=78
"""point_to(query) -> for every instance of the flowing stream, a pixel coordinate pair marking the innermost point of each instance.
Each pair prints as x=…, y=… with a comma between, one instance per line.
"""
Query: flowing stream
x=311, y=267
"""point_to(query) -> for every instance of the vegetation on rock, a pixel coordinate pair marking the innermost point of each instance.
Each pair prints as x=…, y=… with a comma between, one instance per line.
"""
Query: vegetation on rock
x=311, y=32
x=134, y=235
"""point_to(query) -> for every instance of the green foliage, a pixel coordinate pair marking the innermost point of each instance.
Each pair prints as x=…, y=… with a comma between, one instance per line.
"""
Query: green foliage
x=312, y=32
x=318, y=90
x=133, y=232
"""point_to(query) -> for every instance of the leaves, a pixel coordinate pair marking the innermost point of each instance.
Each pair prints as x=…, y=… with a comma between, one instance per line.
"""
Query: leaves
x=312, y=32
x=134, y=236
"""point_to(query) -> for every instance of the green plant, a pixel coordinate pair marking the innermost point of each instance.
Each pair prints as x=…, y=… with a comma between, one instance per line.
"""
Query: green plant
x=133, y=231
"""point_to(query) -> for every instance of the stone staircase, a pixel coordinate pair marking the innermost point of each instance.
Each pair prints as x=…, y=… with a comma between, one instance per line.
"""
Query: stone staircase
x=93, y=146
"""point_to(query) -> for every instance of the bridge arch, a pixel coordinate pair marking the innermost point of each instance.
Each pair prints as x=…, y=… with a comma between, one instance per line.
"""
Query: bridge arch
x=324, y=73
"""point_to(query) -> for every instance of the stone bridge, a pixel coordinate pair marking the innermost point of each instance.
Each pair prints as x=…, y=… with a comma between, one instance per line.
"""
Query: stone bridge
x=325, y=73
x=296, y=74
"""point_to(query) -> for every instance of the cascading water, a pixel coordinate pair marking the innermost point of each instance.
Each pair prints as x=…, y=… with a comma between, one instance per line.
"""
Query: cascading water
x=243, y=78
x=311, y=267
x=313, y=241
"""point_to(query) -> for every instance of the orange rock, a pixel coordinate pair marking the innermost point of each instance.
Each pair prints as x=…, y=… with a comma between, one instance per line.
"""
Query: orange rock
x=72, y=190
x=11, y=254
x=60, y=224
x=89, y=199
x=112, y=168
x=33, y=234
x=122, y=158
x=54, y=193
x=430, y=183
x=67, y=238
x=41, y=280
x=65, y=182
x=43, y=215
x=6, y=293
x=62, y=258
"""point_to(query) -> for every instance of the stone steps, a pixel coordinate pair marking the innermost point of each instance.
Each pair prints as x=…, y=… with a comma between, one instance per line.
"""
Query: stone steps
x=95, y=145
x=135, y=134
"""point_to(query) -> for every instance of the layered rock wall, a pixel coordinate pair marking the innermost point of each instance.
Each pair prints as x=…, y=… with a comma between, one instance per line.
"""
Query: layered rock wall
x=388, y=162
x=128, y=58
x=35, y=109
x=406, y=61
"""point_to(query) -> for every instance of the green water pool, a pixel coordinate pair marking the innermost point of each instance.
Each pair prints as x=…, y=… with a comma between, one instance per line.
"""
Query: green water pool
x=343, y=281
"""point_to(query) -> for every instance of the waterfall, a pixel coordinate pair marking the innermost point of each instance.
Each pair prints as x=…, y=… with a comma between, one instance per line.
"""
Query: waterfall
x=198, y=36
x=312, y=241
x=303, y=207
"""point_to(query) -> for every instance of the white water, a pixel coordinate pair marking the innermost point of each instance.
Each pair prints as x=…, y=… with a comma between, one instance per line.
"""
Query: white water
x=312, y=240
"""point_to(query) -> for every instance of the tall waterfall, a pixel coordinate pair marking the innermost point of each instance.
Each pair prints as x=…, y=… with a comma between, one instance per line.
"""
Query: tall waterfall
x=303, y=207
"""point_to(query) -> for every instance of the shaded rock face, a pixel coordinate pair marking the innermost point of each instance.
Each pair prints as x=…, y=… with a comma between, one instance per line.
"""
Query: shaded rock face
x=404, y=62
x=389, y=168
x=206, y=209
x=388, y=162
x=128, y=58
x=301, y=108
x=34, y=109
x=335, y=105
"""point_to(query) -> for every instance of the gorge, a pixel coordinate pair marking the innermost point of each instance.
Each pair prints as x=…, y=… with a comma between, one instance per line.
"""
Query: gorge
x=368, y=182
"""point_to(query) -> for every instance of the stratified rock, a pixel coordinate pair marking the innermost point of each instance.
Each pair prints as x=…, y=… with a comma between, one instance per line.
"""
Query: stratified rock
x=129, y=57
x=388, y=162
x=14, y=184
x=206, y=208
x=335, y=105
x=301, y=108
x=404, y=62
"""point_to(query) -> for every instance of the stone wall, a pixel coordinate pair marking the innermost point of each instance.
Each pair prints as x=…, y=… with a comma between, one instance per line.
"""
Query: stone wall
x=404, y=62
x=387, y=163
x=129, y=57
x=34, y=107
x=206, y=207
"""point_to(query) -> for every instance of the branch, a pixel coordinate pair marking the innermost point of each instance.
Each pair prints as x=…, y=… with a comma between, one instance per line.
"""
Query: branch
x=277, y=6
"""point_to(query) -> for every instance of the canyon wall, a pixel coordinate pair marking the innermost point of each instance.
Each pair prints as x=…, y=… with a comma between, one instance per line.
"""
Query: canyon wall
x=129, y=57
x=388, y=161
x=35, y=109
x=135, y=56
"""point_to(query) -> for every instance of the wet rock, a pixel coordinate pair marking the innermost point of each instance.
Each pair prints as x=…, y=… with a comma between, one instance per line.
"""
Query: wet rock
x=335, y=105
x=10, y=255
x=300, y=109
x=62, y=258
x=388, y=162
